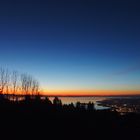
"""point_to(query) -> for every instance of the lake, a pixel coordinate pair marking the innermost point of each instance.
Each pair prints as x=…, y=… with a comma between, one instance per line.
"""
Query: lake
x=74, y=100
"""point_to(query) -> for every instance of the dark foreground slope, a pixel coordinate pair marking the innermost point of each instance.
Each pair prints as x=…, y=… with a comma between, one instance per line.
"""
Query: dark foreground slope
x=43, y=120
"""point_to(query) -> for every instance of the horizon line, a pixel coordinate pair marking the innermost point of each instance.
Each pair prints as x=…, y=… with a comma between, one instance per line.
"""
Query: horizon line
x=76, y=95
x=90, y=92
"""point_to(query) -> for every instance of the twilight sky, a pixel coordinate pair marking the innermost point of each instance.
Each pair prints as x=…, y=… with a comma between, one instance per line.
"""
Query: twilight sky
x=73, y=45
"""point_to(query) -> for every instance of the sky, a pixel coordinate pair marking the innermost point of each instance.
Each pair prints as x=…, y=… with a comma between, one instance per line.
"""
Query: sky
x=73, y=46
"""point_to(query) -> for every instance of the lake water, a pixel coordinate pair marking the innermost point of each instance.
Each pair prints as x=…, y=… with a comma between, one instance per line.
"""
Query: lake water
x=74, y=100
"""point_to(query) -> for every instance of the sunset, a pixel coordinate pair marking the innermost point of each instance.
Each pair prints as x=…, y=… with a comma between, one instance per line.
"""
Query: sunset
x=91, y=92
x=70, y=69
x=73, y=45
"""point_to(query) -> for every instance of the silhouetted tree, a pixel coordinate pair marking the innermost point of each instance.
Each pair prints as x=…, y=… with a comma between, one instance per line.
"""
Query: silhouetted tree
x=78, y=105
x=34, y=87
x=48, y=101
x=71, y=105
x=29, y=85
x=26, y=82
x=14, y=82
x=3, y=79
x=90, y=106
x=57, y=101
x=8, y=83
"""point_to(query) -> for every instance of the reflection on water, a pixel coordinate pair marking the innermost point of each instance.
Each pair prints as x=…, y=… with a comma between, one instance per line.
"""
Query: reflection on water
x=74, y=100
x=69, y=100
x=100, y=107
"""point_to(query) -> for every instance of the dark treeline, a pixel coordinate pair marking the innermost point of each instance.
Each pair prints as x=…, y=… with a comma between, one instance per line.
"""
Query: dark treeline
x=24, y=114
x=44, y=119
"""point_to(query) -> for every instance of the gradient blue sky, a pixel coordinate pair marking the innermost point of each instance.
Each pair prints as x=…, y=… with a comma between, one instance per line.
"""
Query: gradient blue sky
x=73, y=44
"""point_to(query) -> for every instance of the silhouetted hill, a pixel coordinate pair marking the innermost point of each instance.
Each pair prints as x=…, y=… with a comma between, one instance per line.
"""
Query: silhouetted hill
x=42, y=119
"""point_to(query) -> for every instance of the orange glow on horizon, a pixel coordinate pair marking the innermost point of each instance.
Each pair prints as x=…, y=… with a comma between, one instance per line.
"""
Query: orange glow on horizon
x=90, y=92
x=85, y=92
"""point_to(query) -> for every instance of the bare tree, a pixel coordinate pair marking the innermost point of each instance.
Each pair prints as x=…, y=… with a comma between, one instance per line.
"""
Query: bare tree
x=7, y=82
x=14, y=82
x=4, y=77
x=29, y=85
x=35, y=87
x=24, y=83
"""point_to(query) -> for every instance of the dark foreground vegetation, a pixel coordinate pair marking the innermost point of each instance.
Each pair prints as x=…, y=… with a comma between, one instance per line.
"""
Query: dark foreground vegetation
x=35, y=118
